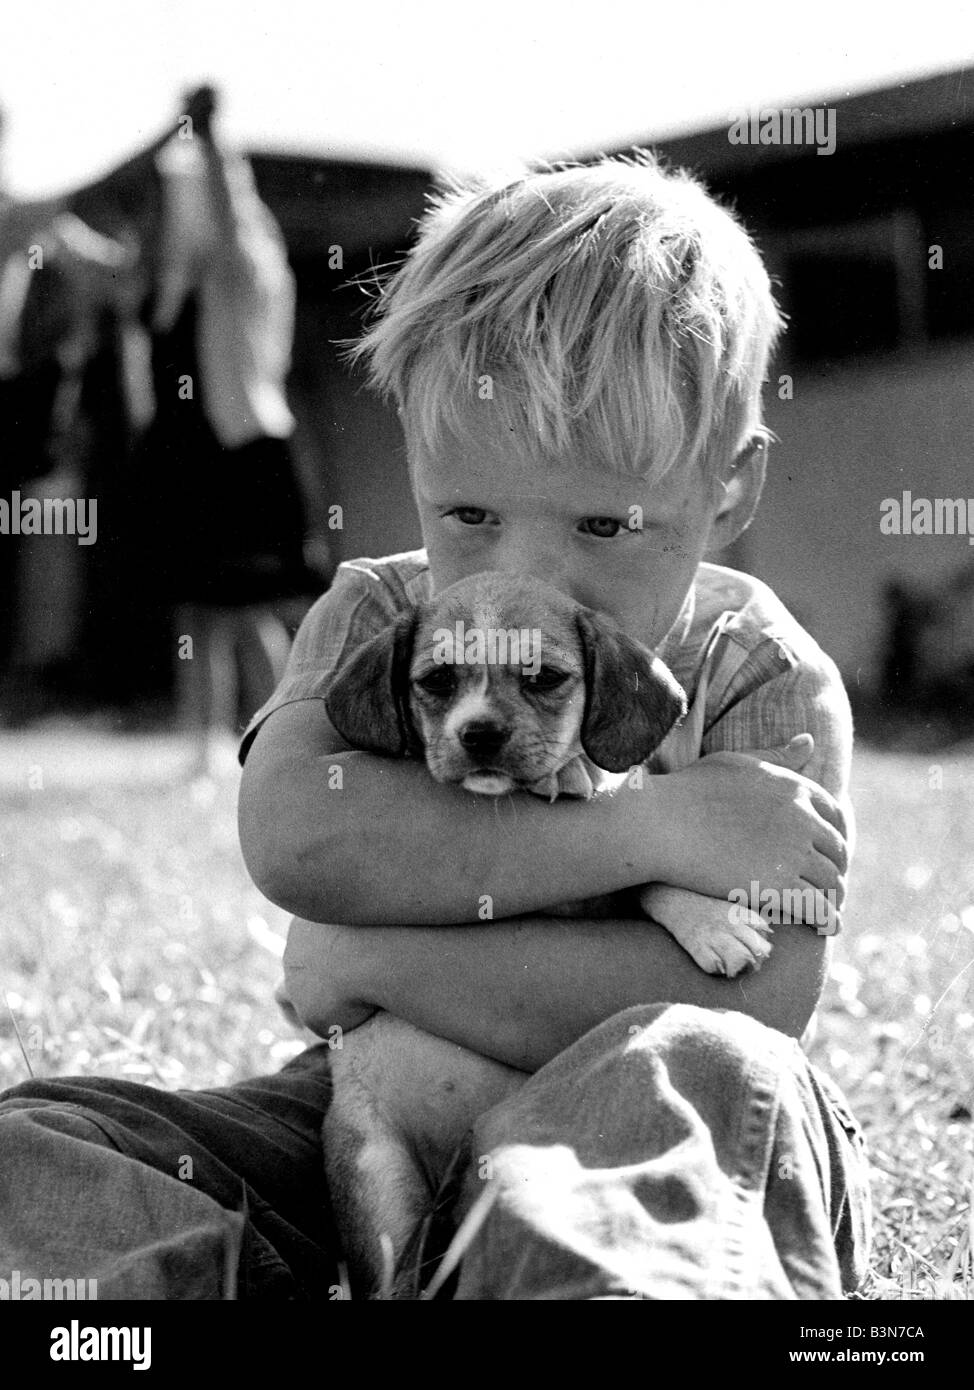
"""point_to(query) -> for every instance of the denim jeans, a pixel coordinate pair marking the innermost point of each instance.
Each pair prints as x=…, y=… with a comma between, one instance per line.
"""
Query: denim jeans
x=671, y=1153
x=156, y=1194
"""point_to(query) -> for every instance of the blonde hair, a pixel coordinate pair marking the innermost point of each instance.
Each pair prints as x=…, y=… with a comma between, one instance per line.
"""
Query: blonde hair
x=613, y=307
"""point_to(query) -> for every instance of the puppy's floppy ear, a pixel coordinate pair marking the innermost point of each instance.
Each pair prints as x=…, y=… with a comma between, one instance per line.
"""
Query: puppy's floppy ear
x=631, y=699
x=368, y=701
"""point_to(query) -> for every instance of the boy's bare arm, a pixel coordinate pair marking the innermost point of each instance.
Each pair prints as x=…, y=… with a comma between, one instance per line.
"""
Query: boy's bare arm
x=520, y=992
x=339, y=836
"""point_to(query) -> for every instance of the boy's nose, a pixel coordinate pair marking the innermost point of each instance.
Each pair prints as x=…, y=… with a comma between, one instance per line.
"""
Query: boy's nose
x=550, y=564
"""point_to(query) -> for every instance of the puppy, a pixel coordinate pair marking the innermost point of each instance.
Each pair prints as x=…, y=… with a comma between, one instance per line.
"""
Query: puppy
x=501, y=684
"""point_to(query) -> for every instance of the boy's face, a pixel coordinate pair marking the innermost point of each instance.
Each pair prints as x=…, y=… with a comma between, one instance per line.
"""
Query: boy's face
x=614, y=544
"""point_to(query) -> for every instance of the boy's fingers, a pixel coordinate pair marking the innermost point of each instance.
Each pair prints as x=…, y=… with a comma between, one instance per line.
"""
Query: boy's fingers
x=793, y=755
x=825, y=915
x=823, y=863
x=807, y=906
x=829, y=810
x=823, y=872
x=799, y=749
x=833, y=846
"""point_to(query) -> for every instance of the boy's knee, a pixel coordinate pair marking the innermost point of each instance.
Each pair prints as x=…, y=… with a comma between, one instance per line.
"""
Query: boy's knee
x=724, y=1031
x=28, y=1107
x=38, y=1090
x=66, y=1093
x=701, y=1050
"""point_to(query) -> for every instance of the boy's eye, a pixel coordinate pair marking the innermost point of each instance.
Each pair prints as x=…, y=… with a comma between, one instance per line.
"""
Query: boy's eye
x=439, y=681
x=470, y=516
x=605, y=528
x=547, y=678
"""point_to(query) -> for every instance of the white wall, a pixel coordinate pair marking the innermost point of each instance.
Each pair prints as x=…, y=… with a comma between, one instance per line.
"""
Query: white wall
x=847, y=441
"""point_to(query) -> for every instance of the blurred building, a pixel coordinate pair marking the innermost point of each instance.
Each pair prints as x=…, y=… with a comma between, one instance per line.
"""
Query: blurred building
x=880, y=357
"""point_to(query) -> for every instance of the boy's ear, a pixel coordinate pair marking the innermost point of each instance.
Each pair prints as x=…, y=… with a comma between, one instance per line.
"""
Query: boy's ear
x=631, y=699
x=368, y=701
x=739, y=490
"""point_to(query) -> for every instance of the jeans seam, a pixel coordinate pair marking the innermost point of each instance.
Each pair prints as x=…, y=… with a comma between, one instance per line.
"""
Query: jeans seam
x=755, y=1143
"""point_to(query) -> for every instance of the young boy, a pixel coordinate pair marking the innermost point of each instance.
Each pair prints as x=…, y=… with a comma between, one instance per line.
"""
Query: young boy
x=577, y=358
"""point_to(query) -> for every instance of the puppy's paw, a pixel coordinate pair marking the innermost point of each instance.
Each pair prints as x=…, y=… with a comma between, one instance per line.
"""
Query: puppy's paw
x=545, y=787
x=571, y=780
x=722, y=937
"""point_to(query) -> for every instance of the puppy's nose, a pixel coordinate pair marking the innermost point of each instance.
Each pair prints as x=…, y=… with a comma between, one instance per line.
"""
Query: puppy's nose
x=482, y=737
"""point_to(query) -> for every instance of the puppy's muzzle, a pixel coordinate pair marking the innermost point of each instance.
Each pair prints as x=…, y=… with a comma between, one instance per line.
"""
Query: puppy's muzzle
x=482, y=739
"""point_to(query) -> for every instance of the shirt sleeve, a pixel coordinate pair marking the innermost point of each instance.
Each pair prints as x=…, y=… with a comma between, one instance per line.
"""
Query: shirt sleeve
x=774, y=695
x=356, y=607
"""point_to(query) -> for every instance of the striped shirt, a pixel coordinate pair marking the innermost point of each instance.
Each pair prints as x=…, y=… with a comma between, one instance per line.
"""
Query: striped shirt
x=754, y=677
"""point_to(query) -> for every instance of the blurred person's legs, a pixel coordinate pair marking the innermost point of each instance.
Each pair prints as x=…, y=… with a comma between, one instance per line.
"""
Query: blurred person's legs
x=170, y=1194
x=672, y=1152
x=261, y=644
x=8, y=606
x=206, y=688
x=47, y=590
x=237, y=651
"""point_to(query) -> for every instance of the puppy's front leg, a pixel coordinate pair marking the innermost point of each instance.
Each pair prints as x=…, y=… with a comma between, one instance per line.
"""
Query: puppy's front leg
x=722, y=938
x=402, y=1101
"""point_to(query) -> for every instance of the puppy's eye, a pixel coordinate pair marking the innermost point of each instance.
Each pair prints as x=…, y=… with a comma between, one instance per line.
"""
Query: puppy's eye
x=545, y=679
x=439, y=681
x=604, y=528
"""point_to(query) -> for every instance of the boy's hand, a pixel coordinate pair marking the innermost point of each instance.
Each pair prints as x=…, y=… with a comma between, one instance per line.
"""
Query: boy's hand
x=736, y=819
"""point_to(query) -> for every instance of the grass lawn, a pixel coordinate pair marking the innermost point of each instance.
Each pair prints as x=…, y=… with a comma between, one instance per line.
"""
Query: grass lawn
x=133, y=944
